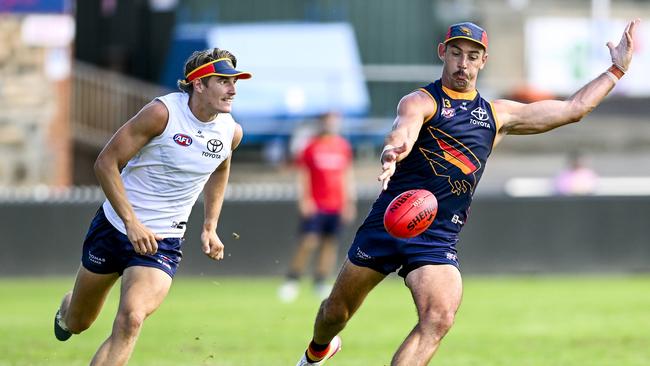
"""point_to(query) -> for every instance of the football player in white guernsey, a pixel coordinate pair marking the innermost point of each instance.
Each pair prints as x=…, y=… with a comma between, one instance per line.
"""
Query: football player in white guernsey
x=152, y=171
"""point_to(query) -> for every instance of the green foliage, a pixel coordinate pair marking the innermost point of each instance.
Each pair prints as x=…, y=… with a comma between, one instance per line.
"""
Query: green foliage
x=530, y=321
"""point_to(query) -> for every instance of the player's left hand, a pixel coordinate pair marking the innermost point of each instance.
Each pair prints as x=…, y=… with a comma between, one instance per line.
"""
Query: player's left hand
x=622, y=53
x=211, y=245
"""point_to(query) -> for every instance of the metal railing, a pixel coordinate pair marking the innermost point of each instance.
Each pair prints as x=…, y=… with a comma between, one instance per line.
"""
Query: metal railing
x=102, y=101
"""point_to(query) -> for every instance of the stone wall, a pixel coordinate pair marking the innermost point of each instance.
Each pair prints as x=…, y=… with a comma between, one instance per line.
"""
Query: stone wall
x=30, y=106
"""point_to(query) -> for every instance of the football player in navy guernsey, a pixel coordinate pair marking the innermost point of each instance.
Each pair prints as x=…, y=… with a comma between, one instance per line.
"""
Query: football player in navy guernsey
x=440, y=141
x=152, y=171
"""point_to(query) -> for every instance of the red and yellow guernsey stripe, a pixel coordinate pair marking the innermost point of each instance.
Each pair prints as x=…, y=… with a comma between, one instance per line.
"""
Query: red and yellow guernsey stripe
x=457, y=158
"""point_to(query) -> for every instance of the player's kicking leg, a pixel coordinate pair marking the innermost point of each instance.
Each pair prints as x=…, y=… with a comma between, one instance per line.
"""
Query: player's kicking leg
x=437, y=292
x=350, y=289
x=80, y=308
x=143, y=290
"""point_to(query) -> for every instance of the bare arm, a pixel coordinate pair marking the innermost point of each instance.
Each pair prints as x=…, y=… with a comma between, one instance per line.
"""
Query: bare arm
x=524, y=119
x=214, y=192
x=127, y=141
x=412, y=111
x=306, y=203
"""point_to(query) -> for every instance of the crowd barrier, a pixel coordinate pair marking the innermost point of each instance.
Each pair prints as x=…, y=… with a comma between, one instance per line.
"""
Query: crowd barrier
x=502, y=235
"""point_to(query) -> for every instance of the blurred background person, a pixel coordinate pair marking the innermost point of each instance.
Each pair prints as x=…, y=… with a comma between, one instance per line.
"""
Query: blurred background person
x=577, y=178
x=326, y=202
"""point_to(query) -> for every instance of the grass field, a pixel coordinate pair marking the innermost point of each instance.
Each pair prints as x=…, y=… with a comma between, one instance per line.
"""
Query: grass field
x=522, y=321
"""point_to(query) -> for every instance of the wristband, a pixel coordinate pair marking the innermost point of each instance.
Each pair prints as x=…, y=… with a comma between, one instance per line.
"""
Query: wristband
x=616, y=71
x=620, y=67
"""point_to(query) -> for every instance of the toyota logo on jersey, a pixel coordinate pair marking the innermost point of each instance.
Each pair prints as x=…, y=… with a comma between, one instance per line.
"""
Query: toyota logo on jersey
x=480, y=114
x=214, y=145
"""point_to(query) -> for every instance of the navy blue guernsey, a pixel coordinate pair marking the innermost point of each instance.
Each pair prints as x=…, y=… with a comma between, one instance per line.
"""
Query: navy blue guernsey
x=447, y=159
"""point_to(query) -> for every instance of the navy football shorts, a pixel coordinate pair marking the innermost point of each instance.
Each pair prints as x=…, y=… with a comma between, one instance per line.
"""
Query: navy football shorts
x=322, y=223
x=374, y=248
x=106, y=250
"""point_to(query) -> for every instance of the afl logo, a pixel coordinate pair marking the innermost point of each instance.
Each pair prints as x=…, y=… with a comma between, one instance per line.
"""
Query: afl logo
x=448, y=112
x=215, y=146
x=182, y=139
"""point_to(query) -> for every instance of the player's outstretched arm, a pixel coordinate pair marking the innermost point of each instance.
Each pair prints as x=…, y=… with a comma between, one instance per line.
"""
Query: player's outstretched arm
x=412, y=110
x=213, y=195
x=524, y=119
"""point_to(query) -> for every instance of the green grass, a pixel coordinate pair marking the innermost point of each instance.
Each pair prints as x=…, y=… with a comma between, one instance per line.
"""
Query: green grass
x=522, y=321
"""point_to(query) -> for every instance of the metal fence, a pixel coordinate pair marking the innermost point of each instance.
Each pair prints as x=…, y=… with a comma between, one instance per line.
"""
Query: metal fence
x=103, y=100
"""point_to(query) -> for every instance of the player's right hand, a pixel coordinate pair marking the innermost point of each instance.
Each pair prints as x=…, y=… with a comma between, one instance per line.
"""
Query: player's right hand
x=211, y=244
x=144, y=240
x=622, y=53
x=389, y=163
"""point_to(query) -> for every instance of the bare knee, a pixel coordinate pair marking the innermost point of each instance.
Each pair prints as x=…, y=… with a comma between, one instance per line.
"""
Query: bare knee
x=437, y=323
x=129, y=323
x=333, y=312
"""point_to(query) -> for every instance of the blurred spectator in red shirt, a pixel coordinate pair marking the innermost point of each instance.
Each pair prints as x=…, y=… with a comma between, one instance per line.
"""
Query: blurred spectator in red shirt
x=326, y=201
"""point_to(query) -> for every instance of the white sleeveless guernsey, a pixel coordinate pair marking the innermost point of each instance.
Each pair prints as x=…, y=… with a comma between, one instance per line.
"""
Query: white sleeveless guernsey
x=166, y=177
